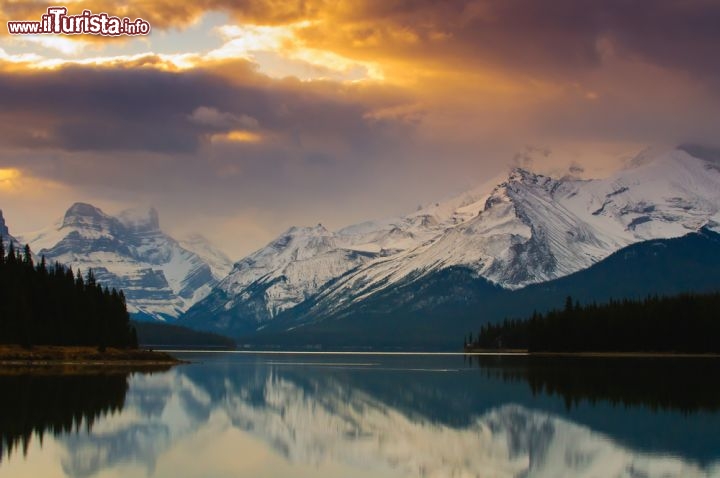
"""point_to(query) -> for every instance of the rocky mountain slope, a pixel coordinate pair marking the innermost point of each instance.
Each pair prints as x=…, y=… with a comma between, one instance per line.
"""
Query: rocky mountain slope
x=161, y=276
x=7, y=238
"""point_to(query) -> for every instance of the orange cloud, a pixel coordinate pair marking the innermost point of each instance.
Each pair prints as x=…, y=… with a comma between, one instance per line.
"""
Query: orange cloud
x=16, y=183
x=9, y=178
x=237, y=136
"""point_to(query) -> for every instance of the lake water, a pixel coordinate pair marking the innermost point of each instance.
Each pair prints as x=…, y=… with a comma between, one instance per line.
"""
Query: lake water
x=320, y=415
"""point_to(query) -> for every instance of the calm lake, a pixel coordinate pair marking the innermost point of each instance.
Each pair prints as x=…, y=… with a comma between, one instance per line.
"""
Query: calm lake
x=350, y=415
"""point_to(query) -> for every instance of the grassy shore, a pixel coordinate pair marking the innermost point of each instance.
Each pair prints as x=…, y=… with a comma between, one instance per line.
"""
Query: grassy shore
x=52, y=354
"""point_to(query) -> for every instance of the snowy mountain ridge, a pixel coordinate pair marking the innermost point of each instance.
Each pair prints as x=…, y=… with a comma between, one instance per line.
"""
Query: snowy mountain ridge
x=160, y=276
x=533, y=228
x=525, y=229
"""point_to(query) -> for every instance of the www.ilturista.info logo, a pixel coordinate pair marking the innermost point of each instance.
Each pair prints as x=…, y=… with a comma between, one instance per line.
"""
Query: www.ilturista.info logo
x=58, y=22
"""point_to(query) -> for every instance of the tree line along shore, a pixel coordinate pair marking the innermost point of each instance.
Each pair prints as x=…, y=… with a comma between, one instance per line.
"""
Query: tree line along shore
x=683, y=324
x=50, y=312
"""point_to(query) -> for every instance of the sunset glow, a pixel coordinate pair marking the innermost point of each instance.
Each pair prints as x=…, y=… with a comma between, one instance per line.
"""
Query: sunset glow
x=377, y=105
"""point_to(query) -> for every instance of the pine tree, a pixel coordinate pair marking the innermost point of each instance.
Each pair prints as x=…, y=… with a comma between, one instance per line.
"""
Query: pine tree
x=91, y=278
x=27, y=256
x=11, y=254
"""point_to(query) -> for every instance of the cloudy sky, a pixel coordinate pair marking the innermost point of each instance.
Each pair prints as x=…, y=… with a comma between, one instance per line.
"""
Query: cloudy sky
x=241, y=118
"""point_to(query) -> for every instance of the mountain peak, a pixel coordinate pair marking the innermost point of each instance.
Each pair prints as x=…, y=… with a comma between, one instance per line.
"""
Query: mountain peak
x=318, y=229
x=657, y=157
x=160, y=277
x=522, y=175
x=82, y=213
x=83, y=209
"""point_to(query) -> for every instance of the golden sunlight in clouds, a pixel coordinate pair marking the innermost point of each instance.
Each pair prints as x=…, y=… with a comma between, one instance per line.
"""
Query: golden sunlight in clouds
x=9, y=178
x=63, y=44
x=19, y=184
x=348, y=98
x=276, y=50
x=290, y=55
x=170, y=62
x=237, y=136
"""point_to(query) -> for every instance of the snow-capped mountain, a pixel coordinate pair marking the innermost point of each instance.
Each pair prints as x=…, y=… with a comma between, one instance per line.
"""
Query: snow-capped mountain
x=524, y=229
x=198, y=244
x=300, y=261
x=160, y=276
x=533, y=228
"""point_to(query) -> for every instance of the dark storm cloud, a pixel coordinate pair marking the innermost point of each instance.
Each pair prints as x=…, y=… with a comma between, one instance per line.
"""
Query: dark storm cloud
x=570, y=33
x=103, y=109
x=675, y=34
x=152, y=136
x=537, y=37
x=146, y=109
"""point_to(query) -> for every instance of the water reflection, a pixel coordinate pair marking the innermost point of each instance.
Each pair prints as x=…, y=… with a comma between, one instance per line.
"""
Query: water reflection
x=37, y=403
x=682, y=384
x=234, y=415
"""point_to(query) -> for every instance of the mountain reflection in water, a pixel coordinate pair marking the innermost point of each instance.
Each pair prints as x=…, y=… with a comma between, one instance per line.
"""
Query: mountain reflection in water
x=324, y=415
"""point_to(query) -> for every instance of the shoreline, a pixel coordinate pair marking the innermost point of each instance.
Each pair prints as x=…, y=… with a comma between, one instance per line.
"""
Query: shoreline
x=57, y=355
x=526, y=353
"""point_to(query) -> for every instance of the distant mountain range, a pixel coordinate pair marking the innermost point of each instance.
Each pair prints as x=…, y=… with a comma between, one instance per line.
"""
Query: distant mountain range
x=516, y=243
x=162, y=277
x=385, y=281
x=439, y=309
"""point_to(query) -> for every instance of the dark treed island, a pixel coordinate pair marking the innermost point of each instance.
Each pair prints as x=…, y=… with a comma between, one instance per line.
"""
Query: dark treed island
x=51, y=305
x=682, y=324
